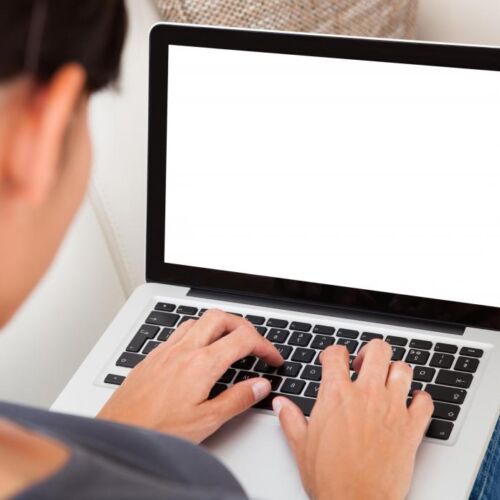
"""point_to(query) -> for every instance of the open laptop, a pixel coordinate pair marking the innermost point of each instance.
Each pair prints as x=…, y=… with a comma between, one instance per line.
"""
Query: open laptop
x=331, y=190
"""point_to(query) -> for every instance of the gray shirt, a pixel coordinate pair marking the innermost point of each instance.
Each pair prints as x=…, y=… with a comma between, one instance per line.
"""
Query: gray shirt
x=111, y=461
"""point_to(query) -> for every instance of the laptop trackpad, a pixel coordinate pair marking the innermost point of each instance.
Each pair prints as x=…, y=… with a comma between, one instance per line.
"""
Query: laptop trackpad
x=254, y=449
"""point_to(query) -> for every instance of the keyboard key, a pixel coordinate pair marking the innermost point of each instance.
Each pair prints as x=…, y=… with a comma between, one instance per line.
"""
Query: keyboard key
x=449, y=348
x=301, y=327
x=275, y=381
x=261, y=329
x=111, y=378
x=351, y=361
x=423, y=374
x=349, y=343
x=347, y=334
x=289, y=369
x=354, y=376
x=235, y=314
x=292, y=386
x=446, y=411
x=278, y=335
x=243, y=375
x=129, y=359
x=456, y=379
x=255, y=320
x=446, y=394
x=322, y=342
x=149, y=331
x=165, y=334
x=311, y=372
x=163, y=306
x=415, y=386
x=305, y=404
x=324, y=330
x=398, y=353
x=299, y=338
x=417, y=357
x=312, y=390
x=150, y=346
x=400, y=341
x=317, y=362
x=201, y=312
x=442, y=360
x=467, y=364
x=367, y=336
x=284, y=350
x=421, y=344
x=263, y=367
x=187, y=318
x=187, y=310
x=469, y=351
x=228, y=376
x=303, y=355
x=439, y=429
x=216, y=390
x=162, y=318
x=245, y=363
x=277, y=323
x=137, y=342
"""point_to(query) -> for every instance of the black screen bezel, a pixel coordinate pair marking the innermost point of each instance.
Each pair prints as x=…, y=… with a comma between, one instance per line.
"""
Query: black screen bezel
x=431, y=54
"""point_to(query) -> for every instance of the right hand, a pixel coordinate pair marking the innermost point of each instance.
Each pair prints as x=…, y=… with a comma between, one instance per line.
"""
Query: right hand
x=361, y=439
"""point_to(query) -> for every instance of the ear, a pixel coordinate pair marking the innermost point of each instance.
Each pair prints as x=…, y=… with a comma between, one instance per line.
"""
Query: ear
x=38, y=135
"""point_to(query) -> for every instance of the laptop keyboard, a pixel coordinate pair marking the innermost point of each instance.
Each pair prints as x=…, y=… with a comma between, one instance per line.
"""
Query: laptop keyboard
x=441, y=369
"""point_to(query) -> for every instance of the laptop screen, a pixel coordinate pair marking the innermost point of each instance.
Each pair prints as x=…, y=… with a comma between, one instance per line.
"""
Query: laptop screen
x=369, y=175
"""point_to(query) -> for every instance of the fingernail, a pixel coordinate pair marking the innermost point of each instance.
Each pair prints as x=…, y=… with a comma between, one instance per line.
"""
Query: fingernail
x=261, y=389
x=277, y=406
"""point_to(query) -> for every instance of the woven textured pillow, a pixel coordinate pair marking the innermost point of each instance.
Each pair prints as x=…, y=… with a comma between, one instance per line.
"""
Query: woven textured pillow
x=376, y=18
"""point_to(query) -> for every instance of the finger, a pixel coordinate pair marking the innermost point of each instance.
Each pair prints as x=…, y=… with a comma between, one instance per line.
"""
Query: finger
x=399, y=381
x=180, y=332
x=373, y=362
x=238, y=398
x=293, y=423
x=421, y=409
x=335, y=361
x=240, y=343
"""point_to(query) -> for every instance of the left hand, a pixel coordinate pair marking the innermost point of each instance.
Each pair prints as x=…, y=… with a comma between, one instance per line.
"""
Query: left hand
x=168, y=391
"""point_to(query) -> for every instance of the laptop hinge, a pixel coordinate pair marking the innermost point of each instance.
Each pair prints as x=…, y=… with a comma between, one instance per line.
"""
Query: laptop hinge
x=339, y=312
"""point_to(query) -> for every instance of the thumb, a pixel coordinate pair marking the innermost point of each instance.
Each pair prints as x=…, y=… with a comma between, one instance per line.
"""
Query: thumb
x=293, y=423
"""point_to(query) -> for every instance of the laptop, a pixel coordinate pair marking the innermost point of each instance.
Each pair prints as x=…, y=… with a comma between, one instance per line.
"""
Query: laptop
x=331, y=190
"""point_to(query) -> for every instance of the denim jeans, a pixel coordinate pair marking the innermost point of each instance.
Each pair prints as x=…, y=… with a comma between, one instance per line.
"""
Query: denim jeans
x=487, y=485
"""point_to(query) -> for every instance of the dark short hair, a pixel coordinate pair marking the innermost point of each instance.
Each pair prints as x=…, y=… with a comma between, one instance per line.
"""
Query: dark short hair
x=89, y=32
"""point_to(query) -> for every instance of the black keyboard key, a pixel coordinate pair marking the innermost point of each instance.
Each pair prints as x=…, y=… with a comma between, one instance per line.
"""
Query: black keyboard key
x=255, y=320
x=150, y=346
x=261, y=329
x=415, y=386
x=235, y=314
x=417, y=357
x=423, y=373
x=301, y=327
x=165, y=334
x=292, y=386
x=446, y=394
x=305, y=404
x=398, y=353
x=421, y=344
x=354, y=376
x=228, y=376
x=439, y=429
x=162, y=318
x=456, y=379
x=466, y=364
x=347, y=334
x=187, y=310
x=312, y=390
x=284, y=350
x=275, y=381
x=289, y=369
x=278, y=335
x=137, y=342
x=243, y=375
x=245, y=363
x=311, y=372
x=400, y=341
x=317, y=362
x=367, y=336
x=324, y=330
x=129, y=359
x=349, y=343
x=469, y=351
x=277, y=323
x=216, y=390
x=442, y=360
x=201, y=312
x=322, y=342
x=111, y=378
x=163, y=306
x=263, y=367
x=351, y=361
x=303, y=355
x=186, y=318
x=449, y=348
x=300, y=339
x=446, y=411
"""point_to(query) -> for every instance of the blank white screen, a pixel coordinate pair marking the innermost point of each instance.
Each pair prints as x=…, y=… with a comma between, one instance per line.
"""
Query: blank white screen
x=370, y=175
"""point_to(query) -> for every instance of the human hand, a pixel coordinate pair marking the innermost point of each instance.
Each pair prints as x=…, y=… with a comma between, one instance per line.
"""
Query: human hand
x=168, y=391
x=361, y=439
